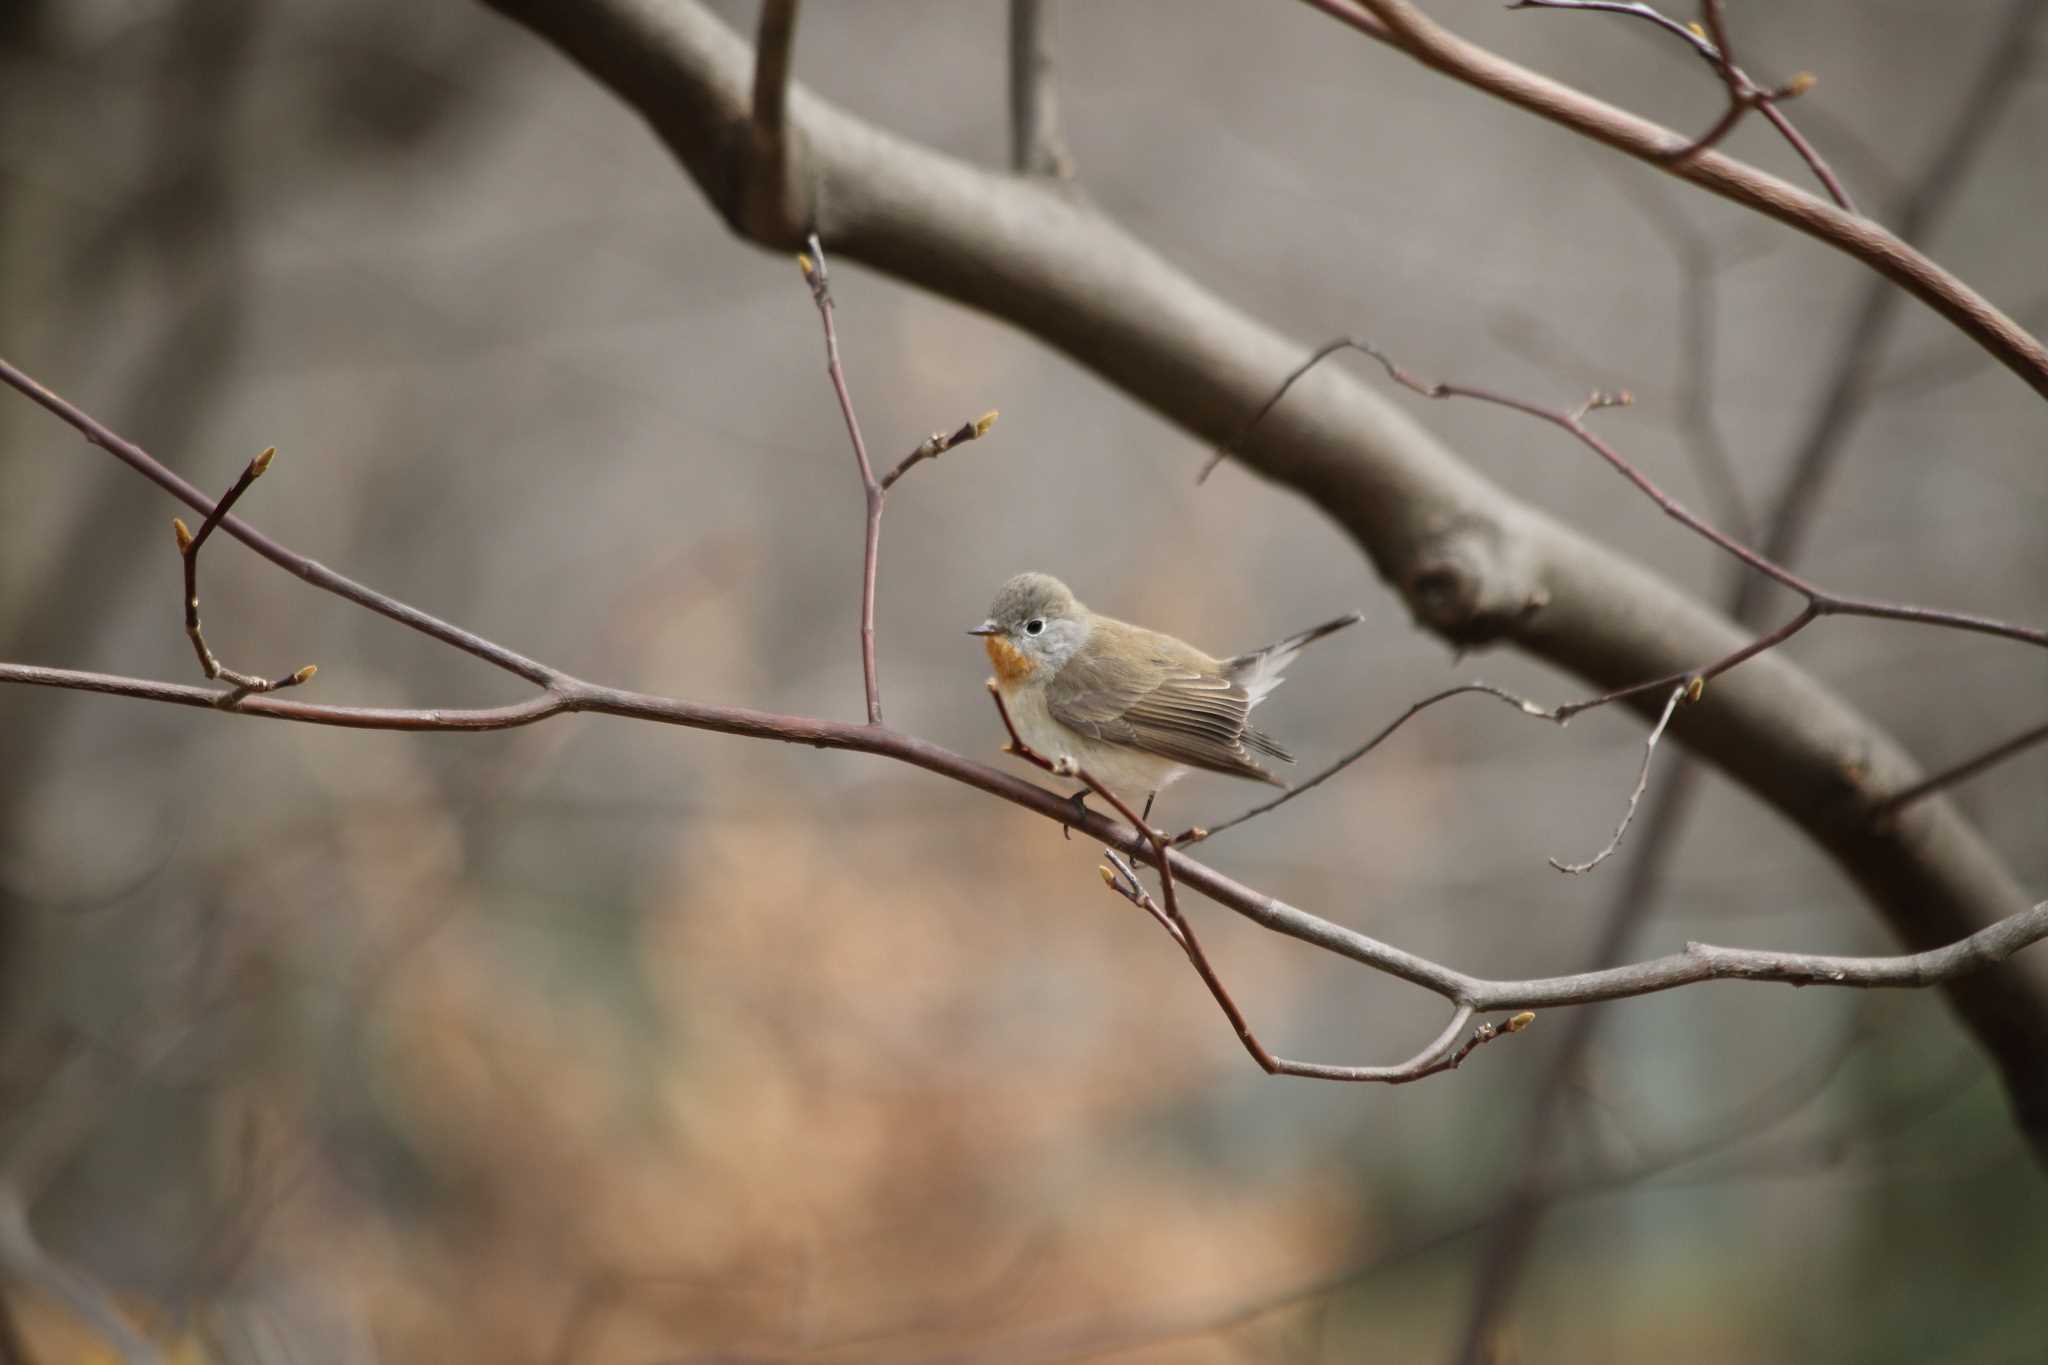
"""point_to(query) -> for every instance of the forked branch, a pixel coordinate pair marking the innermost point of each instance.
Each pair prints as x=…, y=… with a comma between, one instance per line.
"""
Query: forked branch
x=1443, y=1053
x=242, y=684
x=1709, y=38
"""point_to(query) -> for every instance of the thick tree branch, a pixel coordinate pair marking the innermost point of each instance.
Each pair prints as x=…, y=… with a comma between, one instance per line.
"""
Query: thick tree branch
x=1474, y=564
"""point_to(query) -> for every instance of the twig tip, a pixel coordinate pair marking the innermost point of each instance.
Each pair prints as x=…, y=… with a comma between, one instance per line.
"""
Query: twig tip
x=183, y=533
x=262, y=462
x=1519, y=1022
x=985, y=421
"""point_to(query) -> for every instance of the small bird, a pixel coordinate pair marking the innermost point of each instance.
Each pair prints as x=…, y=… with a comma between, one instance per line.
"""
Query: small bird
x=1134, y=707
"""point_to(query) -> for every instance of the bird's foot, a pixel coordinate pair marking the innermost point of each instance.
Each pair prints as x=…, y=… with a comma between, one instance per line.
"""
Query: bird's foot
x=1080, y=801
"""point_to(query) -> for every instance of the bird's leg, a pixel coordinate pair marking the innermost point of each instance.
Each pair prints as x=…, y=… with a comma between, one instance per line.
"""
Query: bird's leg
x=1150, y=797
x=1080, y=800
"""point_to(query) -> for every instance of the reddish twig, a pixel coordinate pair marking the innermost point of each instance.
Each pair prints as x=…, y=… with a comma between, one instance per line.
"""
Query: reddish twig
x=937, y=444
x=1402, y=25
x=812, y=263
x=292, y=562
x=813, y=266
x=1820, y=601
x=241, y=684
x=1710, y=41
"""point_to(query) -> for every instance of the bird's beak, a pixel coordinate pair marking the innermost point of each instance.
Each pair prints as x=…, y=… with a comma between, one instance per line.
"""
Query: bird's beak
x=985, y=628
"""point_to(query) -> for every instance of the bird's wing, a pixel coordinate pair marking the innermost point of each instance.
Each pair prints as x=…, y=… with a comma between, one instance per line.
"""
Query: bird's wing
x=1161, y=699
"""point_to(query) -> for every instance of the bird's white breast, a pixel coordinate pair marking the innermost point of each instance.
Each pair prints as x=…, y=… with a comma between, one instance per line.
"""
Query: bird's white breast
x=1132, y=773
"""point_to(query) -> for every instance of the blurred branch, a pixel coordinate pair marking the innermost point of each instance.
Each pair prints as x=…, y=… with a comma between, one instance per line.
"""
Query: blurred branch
x=1782, y=1099
x=1701, y=261
x=1929, y=371
x=1402, y=25
x=1036, y=147
x=23, y=1261
x=1709, y=38
x=1962, y=772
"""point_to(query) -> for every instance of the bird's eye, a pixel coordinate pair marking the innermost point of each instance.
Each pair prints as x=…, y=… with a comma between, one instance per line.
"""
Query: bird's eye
x=1034, y=626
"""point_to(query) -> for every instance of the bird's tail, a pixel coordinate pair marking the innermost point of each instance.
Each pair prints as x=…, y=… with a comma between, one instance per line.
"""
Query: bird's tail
x=1259, y=671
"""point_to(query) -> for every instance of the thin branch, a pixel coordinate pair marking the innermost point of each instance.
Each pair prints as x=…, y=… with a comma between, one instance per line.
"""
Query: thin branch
x=1710, y=41
x=1634, y=797
x=24, y=1261
x=1036, y=147
x=1522, y=704
x=1698, y=962
x=1442, y=1053
x=875, y=491
x=1984, y=98
x=1961, y=772
x=188, y=550
x=313, y=572
x=1402, y=25
x=1820, y=600
x=1700, y=260
x=813, y=266
x=938, y=443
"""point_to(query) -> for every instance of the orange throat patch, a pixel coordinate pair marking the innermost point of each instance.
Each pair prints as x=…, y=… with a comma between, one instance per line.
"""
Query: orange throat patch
x=1012, y=664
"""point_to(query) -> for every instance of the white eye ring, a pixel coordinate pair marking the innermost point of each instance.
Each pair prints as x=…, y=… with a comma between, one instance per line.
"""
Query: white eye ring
x=1033, y=626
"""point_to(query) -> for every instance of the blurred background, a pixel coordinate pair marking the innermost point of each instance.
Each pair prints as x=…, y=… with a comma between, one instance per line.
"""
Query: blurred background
x=611, y=1043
